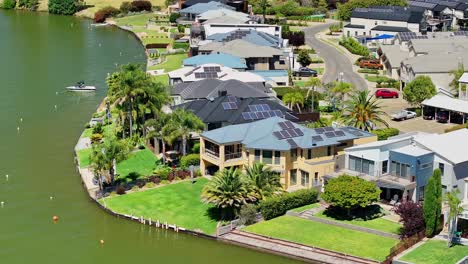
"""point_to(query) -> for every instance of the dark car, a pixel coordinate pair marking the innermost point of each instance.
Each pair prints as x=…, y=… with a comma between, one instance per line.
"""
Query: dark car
x=428, y=113
x=305, y=72
x=385, y=93
x=443, y=116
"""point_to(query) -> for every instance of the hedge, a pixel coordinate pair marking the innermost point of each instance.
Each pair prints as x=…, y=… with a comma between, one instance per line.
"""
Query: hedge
x=456, y=127
x=369, y=71
x=278, y=206
x=9, y=4
x=190, y=159
x=102, y=14
x=383, y=134
x=354, y=46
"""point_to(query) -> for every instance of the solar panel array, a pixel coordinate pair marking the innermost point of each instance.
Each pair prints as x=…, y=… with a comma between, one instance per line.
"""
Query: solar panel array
x=262, y=114
x=259, y=107
x=460, y=33
x=206, y=75
x=229, y=106
x=232, y=98
x=238, y=34
x=353, y=131
x=288, y=133
x=405, y=36
x=317, y=138
x=286, y=125
x=212, y=69
x=292, y=143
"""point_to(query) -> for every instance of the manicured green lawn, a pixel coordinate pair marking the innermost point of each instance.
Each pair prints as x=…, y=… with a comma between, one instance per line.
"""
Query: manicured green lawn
x=87, y=132
x=178, y=204
x=163, y=78
x=377, y=224
x=173, y=62
x=325, y=236
x=83, y=156
x=141, y=162
x=305, y=207
x=135, y=20
x=436, y=252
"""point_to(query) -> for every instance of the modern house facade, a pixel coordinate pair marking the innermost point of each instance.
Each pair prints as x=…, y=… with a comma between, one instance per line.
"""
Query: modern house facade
x=302, y=156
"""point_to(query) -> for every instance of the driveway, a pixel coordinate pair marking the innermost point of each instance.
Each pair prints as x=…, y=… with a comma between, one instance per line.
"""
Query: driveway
x=335, y=62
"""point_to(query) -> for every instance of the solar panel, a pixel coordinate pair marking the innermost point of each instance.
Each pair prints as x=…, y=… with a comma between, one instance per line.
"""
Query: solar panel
x=266, y=107
x=229, y=105
x=330, y=134
x=292, y=143
x=278, y=113
x=292, y=133
x=289, y=124
x=232, y=98
x=317, y=138
x=299, y=132
x=356, y=133
x=278, y=135
x=246, y=116
x=340, y=133
x=252, y=108
x=329, y=129
x=200, y=75
x=283, y=125
x=320, y=130
x=284, y=133
x=266, y=114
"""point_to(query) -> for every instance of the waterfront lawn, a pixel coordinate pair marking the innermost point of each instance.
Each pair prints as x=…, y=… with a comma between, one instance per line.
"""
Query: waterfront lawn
x=380, y=224
x=173, y=62
x=83, y=157
x=305, y=207
x=141, y=162
x=436, y=252
x=325, y=236
x=134, y=20
x=177, y=203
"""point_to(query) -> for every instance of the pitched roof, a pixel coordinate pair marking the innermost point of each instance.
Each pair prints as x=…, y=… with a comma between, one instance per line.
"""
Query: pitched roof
x=221, y=12
x=242, y=48
x=394, y=55
x=390, y=28
x=203, y=7
x=215, y=111
x=252, y=36
x=262, y=135
x=442, y=62
x=213, y=71
x=227, y=60
x=447, y=102
x=453, y=145
x=354, y=26
x=391, y=13
x=224, y=20
x=210, y=88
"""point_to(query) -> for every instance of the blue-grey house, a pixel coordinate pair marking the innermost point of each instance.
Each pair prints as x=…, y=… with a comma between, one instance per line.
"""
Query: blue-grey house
x=223, y=59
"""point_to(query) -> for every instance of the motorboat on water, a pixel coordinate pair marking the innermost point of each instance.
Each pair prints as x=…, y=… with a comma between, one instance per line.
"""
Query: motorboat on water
x=80, y=86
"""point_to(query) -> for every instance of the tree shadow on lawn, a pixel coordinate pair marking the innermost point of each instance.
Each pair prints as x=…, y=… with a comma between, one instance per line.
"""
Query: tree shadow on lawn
x=361, y=214
x=214, y=213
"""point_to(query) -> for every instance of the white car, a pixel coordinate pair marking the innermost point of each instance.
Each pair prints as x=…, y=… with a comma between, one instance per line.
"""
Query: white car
x=403, y=115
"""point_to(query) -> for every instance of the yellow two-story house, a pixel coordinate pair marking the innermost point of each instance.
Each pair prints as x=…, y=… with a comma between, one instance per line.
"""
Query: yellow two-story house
x=299, y=154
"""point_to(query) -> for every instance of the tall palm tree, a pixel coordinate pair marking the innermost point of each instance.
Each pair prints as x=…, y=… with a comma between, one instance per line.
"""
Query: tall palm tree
x=266, y=183
x=294, y=99
x=162, y=129
x=186, y=122
x=311, y=85
x=362, y=111
x=228, y=190
x=151, y=102
x=105, y=155
x=454, y=210
x=342, y=89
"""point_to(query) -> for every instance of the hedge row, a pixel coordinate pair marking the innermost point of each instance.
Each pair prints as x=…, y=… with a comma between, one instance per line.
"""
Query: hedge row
x=278, y=206
x=354, y=46
x=383, y=134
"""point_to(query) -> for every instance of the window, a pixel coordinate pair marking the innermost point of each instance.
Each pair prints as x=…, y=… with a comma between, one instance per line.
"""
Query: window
x=442, y=167
x=355, y=33
x=384, y=166
x=304, y=178
x=425, y=165
x=361, y=165
x=400, y=169
x=277, y=157
x=309, y=153
x=280, y=83
x=293, y=177
x=282, y=62
x=316, y=179
x=421, y=193
x=257, y=155
x=294, y=154
x=329, y=151
x=267, y=156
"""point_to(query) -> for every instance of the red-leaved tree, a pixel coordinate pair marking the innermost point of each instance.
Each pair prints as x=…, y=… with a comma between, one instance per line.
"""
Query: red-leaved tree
x=412, y=218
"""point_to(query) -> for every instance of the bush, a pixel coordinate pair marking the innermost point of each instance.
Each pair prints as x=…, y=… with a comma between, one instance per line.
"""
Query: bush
x=179, y=45
x=96, y=138
x=150, y=185
x=181, y=28
x=141, y=5
x=248, y=214
x=154, y=179
x=135, y=188
x=385, y=133
x=102, y=14
x=9, y=4
x=98, y=129
x=162, y=171
x=353, y=46
x=173, y=17
x=278, y=206
x=120, y=190
x=125, y=7
x=28, y=4
x=190, y=159
x=63, y=7
x=196, y=148
x=412, y=218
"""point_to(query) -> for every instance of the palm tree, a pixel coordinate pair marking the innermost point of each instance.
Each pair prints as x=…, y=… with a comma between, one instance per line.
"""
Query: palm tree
x=266, y=182
x=294, y=99
x=228, y=190
x=342, y=88
x=152, y=101
x=162, y=129
x=105, y=155
x=311, y=85
x=186, y=122
x=362, y=111
x=454, y=210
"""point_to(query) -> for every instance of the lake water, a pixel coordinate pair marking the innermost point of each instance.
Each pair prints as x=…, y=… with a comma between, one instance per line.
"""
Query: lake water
x=40, y=54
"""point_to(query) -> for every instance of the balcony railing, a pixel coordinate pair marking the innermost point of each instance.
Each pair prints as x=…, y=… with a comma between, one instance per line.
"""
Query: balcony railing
x=212, y=153
x=231, y=156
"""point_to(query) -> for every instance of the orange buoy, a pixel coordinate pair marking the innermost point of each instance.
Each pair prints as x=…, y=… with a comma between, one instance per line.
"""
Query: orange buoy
x=101, y=241
x=55, y=218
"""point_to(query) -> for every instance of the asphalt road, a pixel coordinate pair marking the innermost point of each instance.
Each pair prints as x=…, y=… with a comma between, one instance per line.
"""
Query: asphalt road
x=335, y=62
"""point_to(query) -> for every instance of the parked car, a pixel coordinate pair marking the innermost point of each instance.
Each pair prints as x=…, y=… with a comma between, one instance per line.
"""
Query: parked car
x=305, y=72
x=428, y=113
x=442, y=116
x=386, y=93
x=403, y=115
x=371, y=64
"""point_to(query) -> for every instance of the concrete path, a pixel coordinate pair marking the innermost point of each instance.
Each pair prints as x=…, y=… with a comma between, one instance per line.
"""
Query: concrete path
x=335, y=61
x=290, y=249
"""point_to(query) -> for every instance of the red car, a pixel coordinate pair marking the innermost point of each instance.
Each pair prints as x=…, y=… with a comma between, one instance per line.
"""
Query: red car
x=385, y=93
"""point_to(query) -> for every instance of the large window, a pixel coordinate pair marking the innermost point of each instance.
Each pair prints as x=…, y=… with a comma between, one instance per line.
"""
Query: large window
x=293, y=178
x=277, y=157
x=400, y=169
x=361, y=165
x=316, y=179
x=442, y=168
x=304, y=178
x=257, y=155
x=267, y=156
x=309, y=153
x=384, y=166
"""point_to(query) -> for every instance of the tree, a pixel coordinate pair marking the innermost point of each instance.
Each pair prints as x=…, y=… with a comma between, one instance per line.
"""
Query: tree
x=106, y=155
x=9, y=4
x=457, y=74
x=294, y=99
x=342, y=89
x=344, y=10
x=433, y=204
x=64, y=7
x=418, y=90
x=186, y=122
x=362, y=111
x=451, y=198
x=311, y=85
x=161, y=129
x=304, y=58
x=350, y=192
x=173, y=17
x=265, y=182
x=228, y=190
x=322, y=6
x=412, y=218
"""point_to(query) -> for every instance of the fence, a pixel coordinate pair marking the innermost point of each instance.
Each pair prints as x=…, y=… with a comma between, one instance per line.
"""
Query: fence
x=403, y=245
x=222, y=230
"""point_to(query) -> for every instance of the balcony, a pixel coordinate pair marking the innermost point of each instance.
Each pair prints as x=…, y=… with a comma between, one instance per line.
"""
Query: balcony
x=232, y=156
x=212, y=153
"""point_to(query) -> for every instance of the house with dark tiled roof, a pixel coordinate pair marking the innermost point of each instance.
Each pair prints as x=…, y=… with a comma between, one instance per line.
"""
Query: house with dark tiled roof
x=301, y=155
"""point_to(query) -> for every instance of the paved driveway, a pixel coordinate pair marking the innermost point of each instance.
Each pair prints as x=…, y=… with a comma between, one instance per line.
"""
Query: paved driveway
x=335, y=61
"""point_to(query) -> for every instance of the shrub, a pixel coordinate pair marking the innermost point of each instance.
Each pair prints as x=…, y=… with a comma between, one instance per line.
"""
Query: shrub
x=248, y=214
x=150, y=185
x=196, y=148
x=164, y=182
x=278, y=206
x=141, y=5
x=63, y=7
x=190, y=159
x=412, y=218
x=87, y=125
x=120, y=190
x=369, y=71
x=125, y=7
x=96, y=138
x=135, y=188
x=181, y=28
x=432, y=205
x=28, y=4
x=353, y=46
x=9, y=4
x=102, y=14
x=385, y=133
x=98, y=129
x=154, y=179
x=173, y=17
x=304, y=58
x=171, y=176
x=162, y=171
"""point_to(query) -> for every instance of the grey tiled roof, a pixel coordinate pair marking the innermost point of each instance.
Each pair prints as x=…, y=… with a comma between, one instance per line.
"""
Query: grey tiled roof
x=390, y=29
x=390, y=13
x=252, y=36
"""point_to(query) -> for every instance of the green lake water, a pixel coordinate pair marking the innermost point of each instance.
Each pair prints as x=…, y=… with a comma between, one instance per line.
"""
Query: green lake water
x=40, y=54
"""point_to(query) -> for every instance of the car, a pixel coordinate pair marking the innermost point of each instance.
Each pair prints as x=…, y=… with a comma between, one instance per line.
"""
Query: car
x=386, y=93
x=305, y=72
x=371, y=64
x=442, y=116
x=403, y=115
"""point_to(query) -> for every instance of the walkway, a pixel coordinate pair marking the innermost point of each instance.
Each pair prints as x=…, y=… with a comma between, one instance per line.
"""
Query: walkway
x=290, y=249
x=335, y=61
